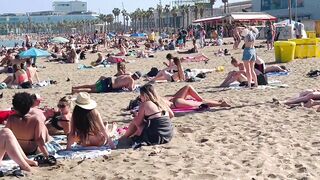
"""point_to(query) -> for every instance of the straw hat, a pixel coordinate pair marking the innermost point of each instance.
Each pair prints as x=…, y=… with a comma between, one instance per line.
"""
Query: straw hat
x=84, y=101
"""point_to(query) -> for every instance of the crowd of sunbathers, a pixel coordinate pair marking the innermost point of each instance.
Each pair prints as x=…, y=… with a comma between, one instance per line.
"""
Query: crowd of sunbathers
x=28, y=127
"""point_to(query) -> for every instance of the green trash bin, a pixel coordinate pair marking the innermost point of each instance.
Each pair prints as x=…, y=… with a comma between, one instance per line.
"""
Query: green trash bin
x=284, y=51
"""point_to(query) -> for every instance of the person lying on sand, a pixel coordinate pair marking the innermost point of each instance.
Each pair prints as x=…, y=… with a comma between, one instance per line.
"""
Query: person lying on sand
x=106, y=84
x=312, y=103
x=192, y=50
x=152, y=124
x=166, y=75
x=10, y=146
x=87, y=128
x=197, y=58
x=260, y=66
x=28, y=126
x=304, y=97
x=60, y=120
x=182, y=99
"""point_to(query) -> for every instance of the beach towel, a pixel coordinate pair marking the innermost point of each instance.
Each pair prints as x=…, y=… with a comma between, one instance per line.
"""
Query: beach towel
x=271, y=85
x=9, y=168
x=85, y=67
x=80, y=152
x=274, y=74
x=41, y=84
x=4, y=115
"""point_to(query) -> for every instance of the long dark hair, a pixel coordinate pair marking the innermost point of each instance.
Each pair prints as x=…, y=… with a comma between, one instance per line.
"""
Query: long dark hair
x=84, y=122
x=177, y=62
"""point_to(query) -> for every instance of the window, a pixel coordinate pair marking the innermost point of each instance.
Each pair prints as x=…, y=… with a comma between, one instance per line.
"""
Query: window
x=279, y=4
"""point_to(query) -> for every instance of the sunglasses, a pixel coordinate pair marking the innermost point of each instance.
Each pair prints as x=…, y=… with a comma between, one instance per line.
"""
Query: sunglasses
x=61, y=106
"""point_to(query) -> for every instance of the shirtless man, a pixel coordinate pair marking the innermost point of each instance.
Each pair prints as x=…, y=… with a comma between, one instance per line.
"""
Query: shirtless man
x=6, y=62
x=28, y=125
x=106, y=84
x=235, y=75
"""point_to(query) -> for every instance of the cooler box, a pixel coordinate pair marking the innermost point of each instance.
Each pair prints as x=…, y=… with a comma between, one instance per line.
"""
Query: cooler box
x=311, y=44
x=284, y=51
x=311, y=34
x=300, y=48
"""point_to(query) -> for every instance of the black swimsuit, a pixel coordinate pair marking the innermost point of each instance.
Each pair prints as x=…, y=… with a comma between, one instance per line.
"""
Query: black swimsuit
x=54, y=122
x=157, y=130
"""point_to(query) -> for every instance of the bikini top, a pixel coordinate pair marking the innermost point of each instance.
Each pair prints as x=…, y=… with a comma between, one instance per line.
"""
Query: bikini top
x=22, y=78
x=146, y=117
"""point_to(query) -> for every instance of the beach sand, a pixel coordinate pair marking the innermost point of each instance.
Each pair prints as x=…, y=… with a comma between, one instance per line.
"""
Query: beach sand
x=253, y=139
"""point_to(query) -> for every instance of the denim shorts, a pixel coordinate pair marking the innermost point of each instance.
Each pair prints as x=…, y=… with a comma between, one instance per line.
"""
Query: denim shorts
x=249, y=54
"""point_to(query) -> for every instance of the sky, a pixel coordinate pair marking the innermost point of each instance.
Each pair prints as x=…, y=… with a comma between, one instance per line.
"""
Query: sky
x=99, y=6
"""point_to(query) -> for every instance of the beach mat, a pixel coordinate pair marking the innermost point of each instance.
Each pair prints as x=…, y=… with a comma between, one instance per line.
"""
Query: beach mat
x=271, y=85
x=85, y=67
x=275, y=74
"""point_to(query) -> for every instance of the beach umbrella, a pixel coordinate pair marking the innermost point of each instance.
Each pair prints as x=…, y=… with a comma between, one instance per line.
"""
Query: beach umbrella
x=138, y=35
x=34, y=52
x=59, y=40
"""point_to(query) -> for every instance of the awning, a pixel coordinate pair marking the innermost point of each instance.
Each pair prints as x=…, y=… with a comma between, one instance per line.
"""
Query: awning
x=251, y=17
x=217, y=18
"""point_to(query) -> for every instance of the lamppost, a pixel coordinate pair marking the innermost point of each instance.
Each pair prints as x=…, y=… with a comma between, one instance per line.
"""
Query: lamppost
x=290, y=13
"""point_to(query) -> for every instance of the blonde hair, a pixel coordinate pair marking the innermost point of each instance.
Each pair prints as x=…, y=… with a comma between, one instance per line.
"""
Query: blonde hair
x=151, y=95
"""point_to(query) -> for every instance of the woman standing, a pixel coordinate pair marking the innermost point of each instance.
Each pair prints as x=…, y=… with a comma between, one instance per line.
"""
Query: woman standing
x=249, y=54
x=87, y=125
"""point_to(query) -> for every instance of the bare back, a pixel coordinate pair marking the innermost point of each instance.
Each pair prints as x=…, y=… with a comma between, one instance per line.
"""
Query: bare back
x=123, y=81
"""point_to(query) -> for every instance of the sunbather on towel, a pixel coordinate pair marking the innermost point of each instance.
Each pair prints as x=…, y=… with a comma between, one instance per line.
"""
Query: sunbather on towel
x=152, y=124
x=87, y=128
x=10, y=146
x=107, y=84
x=197, y=58
x=59, y=122
x=260, y=66
x=304, y=97
x=177, y=76
x=192, y=50
x=234, y=76
x=28, y=126
x=188, y=97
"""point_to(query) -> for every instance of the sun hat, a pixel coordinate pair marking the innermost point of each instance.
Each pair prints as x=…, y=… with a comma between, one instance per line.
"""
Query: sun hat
x=84, y=101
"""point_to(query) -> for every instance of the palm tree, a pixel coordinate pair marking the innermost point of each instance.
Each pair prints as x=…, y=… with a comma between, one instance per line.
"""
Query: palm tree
x=196, y=11
x=212, y=2
x=167, y=10
x=159, y=9
x=149, y=14
x=124, y=13
x=187, y=10
x=109, y=19
x=225, y=3
x=127, y=19
x=174, y=13
x=183, y=13
x=103, y=19
x=139, y=17
x=201, y=10
x=116, y=12
x=133, y=17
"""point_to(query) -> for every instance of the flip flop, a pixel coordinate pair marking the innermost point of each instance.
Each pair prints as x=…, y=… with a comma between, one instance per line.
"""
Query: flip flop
x=51, y=160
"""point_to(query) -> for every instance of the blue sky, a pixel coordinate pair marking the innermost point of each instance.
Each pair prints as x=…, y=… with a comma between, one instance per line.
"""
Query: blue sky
x=102, y=6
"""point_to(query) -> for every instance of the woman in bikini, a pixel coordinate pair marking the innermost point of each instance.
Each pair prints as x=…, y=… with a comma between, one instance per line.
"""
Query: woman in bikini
x=152, y=124
x=304, y=97
x=28, y=126
x=61, y=119
x=87, y=128
x=177, y=76
x=10, y=146
x=21, y=77
x=188, y=97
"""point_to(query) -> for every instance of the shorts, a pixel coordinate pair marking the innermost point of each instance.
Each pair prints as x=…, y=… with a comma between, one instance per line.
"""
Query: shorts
x=105, y=85
x=180, y=41
x=249, y=54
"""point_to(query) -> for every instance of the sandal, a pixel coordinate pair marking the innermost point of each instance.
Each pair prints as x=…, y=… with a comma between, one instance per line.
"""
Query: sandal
x=50, y=160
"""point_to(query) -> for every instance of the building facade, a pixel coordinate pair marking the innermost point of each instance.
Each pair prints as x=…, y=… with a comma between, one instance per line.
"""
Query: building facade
x=69, y=6
x=302, y=9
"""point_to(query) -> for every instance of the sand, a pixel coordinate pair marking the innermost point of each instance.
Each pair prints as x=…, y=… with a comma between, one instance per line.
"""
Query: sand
x=253, y=139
